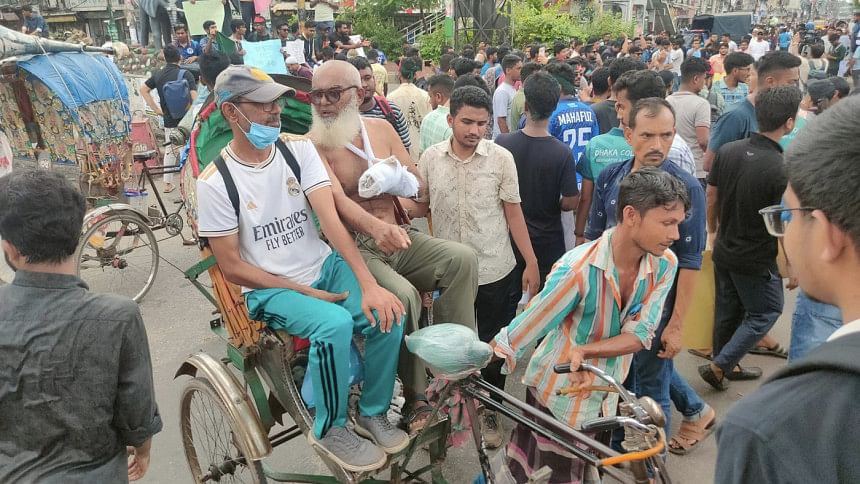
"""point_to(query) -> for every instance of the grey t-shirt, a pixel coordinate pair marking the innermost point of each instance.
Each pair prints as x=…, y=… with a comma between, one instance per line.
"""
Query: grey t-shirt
x=75, y=382
x=502, y=106
x=691, y=111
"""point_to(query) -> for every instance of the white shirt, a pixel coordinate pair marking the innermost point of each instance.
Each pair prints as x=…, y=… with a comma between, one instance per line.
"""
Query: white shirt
x=676, y=58
x=275, y=226
x=846, y=329
x=733, y=46
x=758, y=48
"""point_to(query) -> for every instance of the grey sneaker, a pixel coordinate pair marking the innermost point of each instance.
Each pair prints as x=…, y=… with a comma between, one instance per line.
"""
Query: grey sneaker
x=491, y=430
x=379, y=429
x=349, y=450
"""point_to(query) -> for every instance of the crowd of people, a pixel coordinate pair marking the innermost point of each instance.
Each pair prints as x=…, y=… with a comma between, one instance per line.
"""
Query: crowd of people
x=589, y=178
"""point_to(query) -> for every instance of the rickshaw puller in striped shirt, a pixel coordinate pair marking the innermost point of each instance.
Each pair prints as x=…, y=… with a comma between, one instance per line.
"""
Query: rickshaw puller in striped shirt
x=601, y=304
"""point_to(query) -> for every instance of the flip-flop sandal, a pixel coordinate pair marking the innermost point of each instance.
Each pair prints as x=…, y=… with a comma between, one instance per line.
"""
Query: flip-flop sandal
x=692, y=433
x=744, y=373
x=710, y=378
x=417, y=418
x=701, y=354
x=777, y=351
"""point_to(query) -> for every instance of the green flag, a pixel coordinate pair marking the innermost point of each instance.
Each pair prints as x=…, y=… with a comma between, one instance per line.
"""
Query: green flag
x=226, y=44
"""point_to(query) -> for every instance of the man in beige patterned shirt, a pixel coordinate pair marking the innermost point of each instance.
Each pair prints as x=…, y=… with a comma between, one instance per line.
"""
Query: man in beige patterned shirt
x=474, y=195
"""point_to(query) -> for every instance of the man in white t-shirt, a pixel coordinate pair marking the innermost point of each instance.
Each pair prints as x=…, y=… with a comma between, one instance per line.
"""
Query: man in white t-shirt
x=758, y=46
x=676, y=57
x=261, y=229
x=324, y=14
x=504, y=94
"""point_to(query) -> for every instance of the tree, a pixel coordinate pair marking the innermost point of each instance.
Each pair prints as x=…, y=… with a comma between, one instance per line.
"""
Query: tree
x=532, y=21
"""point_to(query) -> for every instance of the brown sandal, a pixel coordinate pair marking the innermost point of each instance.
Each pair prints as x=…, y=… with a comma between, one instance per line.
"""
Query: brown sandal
x=692, y=433
x=418, y=417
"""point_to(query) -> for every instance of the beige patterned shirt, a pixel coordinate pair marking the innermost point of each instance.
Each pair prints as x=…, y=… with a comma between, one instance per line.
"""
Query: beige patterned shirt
x=466, y=198
x=414, y=103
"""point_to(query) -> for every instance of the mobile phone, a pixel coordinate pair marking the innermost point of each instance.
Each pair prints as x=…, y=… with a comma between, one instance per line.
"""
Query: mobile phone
x=542, y=51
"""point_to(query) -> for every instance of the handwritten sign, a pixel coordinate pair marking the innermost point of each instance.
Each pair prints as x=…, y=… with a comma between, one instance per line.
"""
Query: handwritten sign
x=265, y=55
x=296, y=49
x=200, y=11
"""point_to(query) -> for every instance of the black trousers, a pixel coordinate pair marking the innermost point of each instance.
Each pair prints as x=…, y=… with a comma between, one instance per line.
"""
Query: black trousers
x=495, y=307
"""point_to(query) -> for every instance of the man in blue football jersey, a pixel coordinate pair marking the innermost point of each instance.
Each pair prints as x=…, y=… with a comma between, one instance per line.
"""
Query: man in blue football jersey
x=573, y=123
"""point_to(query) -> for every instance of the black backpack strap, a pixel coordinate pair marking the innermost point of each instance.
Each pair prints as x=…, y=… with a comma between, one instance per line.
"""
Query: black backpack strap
x=229, y=184
x=290, y=159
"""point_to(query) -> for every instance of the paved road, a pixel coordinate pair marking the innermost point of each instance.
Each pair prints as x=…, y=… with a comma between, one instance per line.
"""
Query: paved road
x=177, y=319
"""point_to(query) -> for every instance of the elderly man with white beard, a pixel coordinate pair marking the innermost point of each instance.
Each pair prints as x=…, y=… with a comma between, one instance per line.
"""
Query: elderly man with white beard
x=403, y=260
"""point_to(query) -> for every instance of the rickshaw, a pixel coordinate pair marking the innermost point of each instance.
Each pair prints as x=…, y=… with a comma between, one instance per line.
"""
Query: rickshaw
x=235, y=409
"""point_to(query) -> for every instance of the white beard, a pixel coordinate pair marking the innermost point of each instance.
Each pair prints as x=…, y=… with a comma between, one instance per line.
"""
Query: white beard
x=338, y=132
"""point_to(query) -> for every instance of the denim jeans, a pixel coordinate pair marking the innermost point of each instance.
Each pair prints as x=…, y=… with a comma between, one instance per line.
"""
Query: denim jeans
x=813, y=322
x=686, y=400
x=747, y=306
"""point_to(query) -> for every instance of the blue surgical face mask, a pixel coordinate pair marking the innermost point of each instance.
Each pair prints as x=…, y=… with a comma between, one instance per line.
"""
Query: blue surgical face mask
x=260, y=135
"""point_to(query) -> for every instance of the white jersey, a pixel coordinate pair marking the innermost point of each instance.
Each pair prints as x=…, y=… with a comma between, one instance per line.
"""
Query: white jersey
x=275, y=226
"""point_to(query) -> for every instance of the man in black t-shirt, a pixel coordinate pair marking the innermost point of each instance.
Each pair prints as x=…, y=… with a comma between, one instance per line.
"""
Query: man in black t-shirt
x=339, y=39
x=747, y=176
x=546, y=172
x=168, y=73
x=605, y=110
x=800, y=426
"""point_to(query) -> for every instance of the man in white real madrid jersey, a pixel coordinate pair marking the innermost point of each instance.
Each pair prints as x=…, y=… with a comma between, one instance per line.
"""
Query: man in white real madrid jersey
x=255, y=204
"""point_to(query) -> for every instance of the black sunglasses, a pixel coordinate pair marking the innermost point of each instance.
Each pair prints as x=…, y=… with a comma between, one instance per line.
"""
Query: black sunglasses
x=332, y=95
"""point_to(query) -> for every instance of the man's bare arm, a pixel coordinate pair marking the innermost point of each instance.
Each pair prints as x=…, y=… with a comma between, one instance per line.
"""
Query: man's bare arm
x=568, y=204
x=146, y=94
x=713, y=210
x=583, y=209
x=520, y=233
x=708, y=159
x=702, y=134
x=502, y=121
x=671, y=338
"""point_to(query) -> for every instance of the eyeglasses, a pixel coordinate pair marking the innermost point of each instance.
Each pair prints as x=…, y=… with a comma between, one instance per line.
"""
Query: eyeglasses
x=777, y=218
x=332, y=95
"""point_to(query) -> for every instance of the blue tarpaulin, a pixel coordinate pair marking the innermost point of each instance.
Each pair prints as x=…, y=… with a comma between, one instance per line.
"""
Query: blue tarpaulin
x=78, y=78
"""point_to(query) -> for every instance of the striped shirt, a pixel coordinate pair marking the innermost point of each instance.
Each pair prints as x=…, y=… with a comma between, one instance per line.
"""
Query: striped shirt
x=399, y=121
x=581, y=304
x=434, y=128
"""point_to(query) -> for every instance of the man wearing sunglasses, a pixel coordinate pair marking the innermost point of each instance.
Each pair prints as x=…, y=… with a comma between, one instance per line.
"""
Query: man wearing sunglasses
x=746, y=176
x=800, y=425
x=403, y=260
x=256, y=207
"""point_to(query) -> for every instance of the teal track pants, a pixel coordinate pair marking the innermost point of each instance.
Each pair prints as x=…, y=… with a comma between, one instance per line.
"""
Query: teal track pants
x=330, y=327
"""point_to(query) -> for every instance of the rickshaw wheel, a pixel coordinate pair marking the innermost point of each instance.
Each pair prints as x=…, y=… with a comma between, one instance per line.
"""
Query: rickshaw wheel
x=213, y=452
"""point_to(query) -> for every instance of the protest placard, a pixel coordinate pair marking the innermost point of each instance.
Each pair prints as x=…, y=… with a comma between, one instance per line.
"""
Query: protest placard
x=296, y=49
x=200, y=11
x=265, y=55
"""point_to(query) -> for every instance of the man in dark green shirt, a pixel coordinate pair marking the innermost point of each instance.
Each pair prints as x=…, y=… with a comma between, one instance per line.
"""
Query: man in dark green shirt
x=836, y=54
